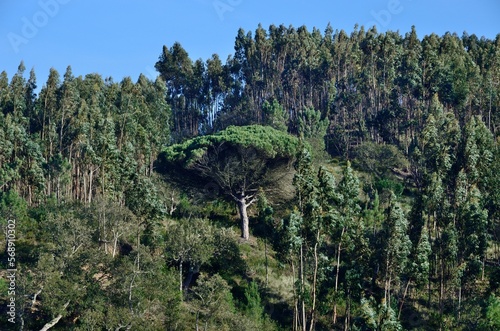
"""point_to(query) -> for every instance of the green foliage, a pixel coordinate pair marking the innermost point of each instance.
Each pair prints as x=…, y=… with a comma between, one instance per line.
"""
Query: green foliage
x=397, y=243
x=420, y=265
x=12, y=206
x=268, y=141
x=212, y=301
x=379, y=159
x=68, y=232
x=379, y=317
x=4, y=288
x=143, y=198
x=226, y=258
x=237, y=161
x=310, y=123
x=439, y=140
x=254, y=307
x=103, y=243
x=493, y=313
x=190, y=242
x=275, y=115
x=304, y=179
x=349, y=192
x=389, y=185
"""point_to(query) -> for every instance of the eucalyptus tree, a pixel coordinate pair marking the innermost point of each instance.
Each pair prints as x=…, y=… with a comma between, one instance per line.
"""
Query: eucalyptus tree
x=474, y=185
x=4, y=92
x=348, y=237
x=216, y=88
x=437, y=150
x=303, y=235
x=184, y=80
x=326, y=221
x=397, y=246
x=22, y=161
x=62, y=164
x=153, y=119
x=410, y=82
x=48, y=110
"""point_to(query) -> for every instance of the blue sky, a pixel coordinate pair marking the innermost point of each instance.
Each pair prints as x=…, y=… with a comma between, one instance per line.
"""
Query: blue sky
x=121, y=38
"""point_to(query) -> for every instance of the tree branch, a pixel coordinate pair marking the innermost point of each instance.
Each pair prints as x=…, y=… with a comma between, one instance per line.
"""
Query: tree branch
x=253, y=198
x=127, y=327
x=33, y=302
x=55, y=320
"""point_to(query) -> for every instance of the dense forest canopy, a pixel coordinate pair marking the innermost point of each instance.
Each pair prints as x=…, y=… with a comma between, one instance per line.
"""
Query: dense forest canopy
x=369, y=164
x=369, y=85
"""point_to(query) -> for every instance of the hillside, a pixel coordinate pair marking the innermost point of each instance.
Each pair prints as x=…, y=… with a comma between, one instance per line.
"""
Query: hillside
x=362, y=170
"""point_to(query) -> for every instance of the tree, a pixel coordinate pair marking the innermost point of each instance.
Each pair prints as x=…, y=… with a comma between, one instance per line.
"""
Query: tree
x=380, y=159
x=215, y=88
x=275, y=115
x=189, y=242
x=254, y=307
x=212, y=300
x=239, y=160
x=184, y=88
x=304, y=232
x=492, y=318
x=379, y=317
x=347, y=231
x=48, y=117
x=420, y=263
x=397, y=247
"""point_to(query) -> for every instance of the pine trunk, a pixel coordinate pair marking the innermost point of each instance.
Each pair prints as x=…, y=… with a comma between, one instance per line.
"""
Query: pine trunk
x=242, y=208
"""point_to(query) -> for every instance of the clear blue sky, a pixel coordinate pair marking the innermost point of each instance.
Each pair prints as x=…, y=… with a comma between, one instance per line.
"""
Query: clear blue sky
x=121, y=38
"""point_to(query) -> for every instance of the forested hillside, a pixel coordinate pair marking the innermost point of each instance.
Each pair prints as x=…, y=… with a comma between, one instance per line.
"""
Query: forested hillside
x=362, y=169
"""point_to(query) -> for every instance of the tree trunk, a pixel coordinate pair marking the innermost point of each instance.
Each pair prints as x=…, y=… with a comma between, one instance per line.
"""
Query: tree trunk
x=242, y=208
x=347, y=322
x=337, y=277
x=403, y=299
x=193, y=270
x=302, y=285
x=441, y=290
x=91, y=173
x=180, y=281
x=295, y=299
x=459, y=301
x=115, y=242
x=267, y=266
x=315, y=278
x=50, y=324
